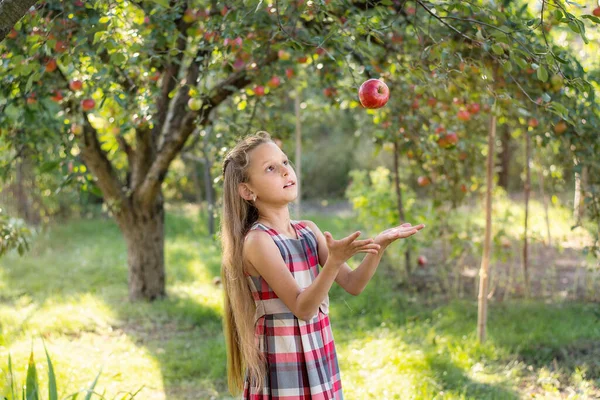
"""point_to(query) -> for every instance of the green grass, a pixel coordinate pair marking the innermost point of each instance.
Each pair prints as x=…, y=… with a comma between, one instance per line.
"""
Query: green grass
x=72, y=289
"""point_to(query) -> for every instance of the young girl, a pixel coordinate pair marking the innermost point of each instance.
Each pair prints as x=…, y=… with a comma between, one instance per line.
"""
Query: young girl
x=278, y=336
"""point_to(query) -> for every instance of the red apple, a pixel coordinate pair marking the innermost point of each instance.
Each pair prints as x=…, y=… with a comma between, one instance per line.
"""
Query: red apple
x=302, y=60
x=155, y=76
x=60, y=47
x=410, y=10
x=274, y=82
x=330, y=91
x=432, y=101
x=440, y=129
x=423, y=180
x=259, y=90
x=474, y=108
x=373, y=94
x=51, y=65
x=88, y=104
x=57, y=97
x=76, y=85
x=422, y=260
x=452, y=138
x=320, y=50
x=224, y=11
x=31, y=99
x=238, y=65
x=533, y=122
x=283, y=55
x=463, y=188
x=12, y=34
x=289, y=73
x=463, y=115
x=560, y=127
x=596, y=12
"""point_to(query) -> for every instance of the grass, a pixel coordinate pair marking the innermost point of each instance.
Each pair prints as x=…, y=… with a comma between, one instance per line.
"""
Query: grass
x=72, y=289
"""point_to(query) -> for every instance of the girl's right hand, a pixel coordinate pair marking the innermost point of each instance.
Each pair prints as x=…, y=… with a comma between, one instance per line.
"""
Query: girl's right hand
x=341, y=250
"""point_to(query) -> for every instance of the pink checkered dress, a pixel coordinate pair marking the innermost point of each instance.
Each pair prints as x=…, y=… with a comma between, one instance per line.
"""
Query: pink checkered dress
x=301, y=358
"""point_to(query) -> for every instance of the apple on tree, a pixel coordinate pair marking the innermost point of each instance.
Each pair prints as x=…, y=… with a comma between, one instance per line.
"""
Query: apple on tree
x=422, y=261
x=259, y=90
x=88, y=104
x=75, y=85
x=373, y=93
x=423, y=181
x=560, y=127
x=274, y=82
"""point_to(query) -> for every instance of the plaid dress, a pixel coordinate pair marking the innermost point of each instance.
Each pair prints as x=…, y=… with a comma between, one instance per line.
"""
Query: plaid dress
x=301, y=358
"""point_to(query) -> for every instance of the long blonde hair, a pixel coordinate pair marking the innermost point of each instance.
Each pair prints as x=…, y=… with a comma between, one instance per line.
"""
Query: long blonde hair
x=238, y=216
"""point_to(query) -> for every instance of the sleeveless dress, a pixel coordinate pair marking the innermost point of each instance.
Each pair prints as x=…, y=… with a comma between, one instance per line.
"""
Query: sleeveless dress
x=301, y=357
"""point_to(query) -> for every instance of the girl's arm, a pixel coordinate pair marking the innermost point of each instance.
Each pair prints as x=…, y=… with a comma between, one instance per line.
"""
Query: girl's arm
x=264, y=255
x=355, y=281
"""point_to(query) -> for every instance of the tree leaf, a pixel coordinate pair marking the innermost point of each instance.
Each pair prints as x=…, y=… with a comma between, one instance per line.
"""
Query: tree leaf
x=164, y=3
x=542, y=74
x=497, y=49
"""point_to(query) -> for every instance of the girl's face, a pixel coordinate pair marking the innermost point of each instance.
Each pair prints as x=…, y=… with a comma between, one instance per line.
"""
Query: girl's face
x=270, y=174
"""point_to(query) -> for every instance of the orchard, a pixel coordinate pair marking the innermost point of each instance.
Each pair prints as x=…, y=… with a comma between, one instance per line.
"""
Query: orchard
x=479, y=119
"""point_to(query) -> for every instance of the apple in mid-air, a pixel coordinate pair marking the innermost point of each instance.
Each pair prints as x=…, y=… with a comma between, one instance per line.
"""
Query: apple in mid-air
x=373, y=93
x=422, y=260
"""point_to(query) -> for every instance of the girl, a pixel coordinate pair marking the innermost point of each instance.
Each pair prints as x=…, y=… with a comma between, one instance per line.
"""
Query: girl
x=278, y=336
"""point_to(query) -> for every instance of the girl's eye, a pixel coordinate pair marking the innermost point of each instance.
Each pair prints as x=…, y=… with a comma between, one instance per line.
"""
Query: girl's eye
x=286, y=162
x=269, y=168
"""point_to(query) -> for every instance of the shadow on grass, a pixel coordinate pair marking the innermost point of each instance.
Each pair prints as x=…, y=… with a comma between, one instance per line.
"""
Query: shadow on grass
x=182, y=333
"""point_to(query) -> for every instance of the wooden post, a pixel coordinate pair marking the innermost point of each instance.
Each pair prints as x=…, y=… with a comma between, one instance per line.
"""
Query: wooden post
x=483, y=273
x=399, y=202
x=527, y=191
x=298, y=154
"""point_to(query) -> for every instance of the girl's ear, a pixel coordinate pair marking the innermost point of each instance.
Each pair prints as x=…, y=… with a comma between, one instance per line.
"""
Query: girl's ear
x=245, y=191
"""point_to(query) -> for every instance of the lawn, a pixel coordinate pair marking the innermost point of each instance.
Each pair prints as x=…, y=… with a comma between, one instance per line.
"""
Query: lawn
x=71, y=289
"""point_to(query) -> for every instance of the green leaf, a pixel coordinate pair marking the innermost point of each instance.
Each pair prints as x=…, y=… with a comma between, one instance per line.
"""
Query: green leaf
x=574, y=27
x=32, y=391
x=507, y=67
x=542, y=74
x=52, y=389
x=546, y=97
x=88, y=396
x=497, y=49
x=592, y=18
x=164, y=3
x=558, y=14
x=559, y=109
x=520, y=62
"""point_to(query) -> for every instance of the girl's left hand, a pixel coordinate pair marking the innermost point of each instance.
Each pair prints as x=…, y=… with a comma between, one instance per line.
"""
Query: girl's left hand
x=405, y=230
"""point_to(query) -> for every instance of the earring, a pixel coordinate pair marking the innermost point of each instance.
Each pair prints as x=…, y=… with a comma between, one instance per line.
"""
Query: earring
x=254, y=198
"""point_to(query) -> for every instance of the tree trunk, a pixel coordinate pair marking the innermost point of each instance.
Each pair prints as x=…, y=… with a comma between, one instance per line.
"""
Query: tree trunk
x=487, y=244
x=545, y=202
x=210, y=198
x=298, y=153
x=143, y=230
x=399, y=203
x=11, y=11
x=504, y=173
x=527, y=191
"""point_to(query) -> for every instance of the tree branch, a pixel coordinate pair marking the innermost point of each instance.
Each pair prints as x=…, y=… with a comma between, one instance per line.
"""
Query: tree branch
x=181, y=126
